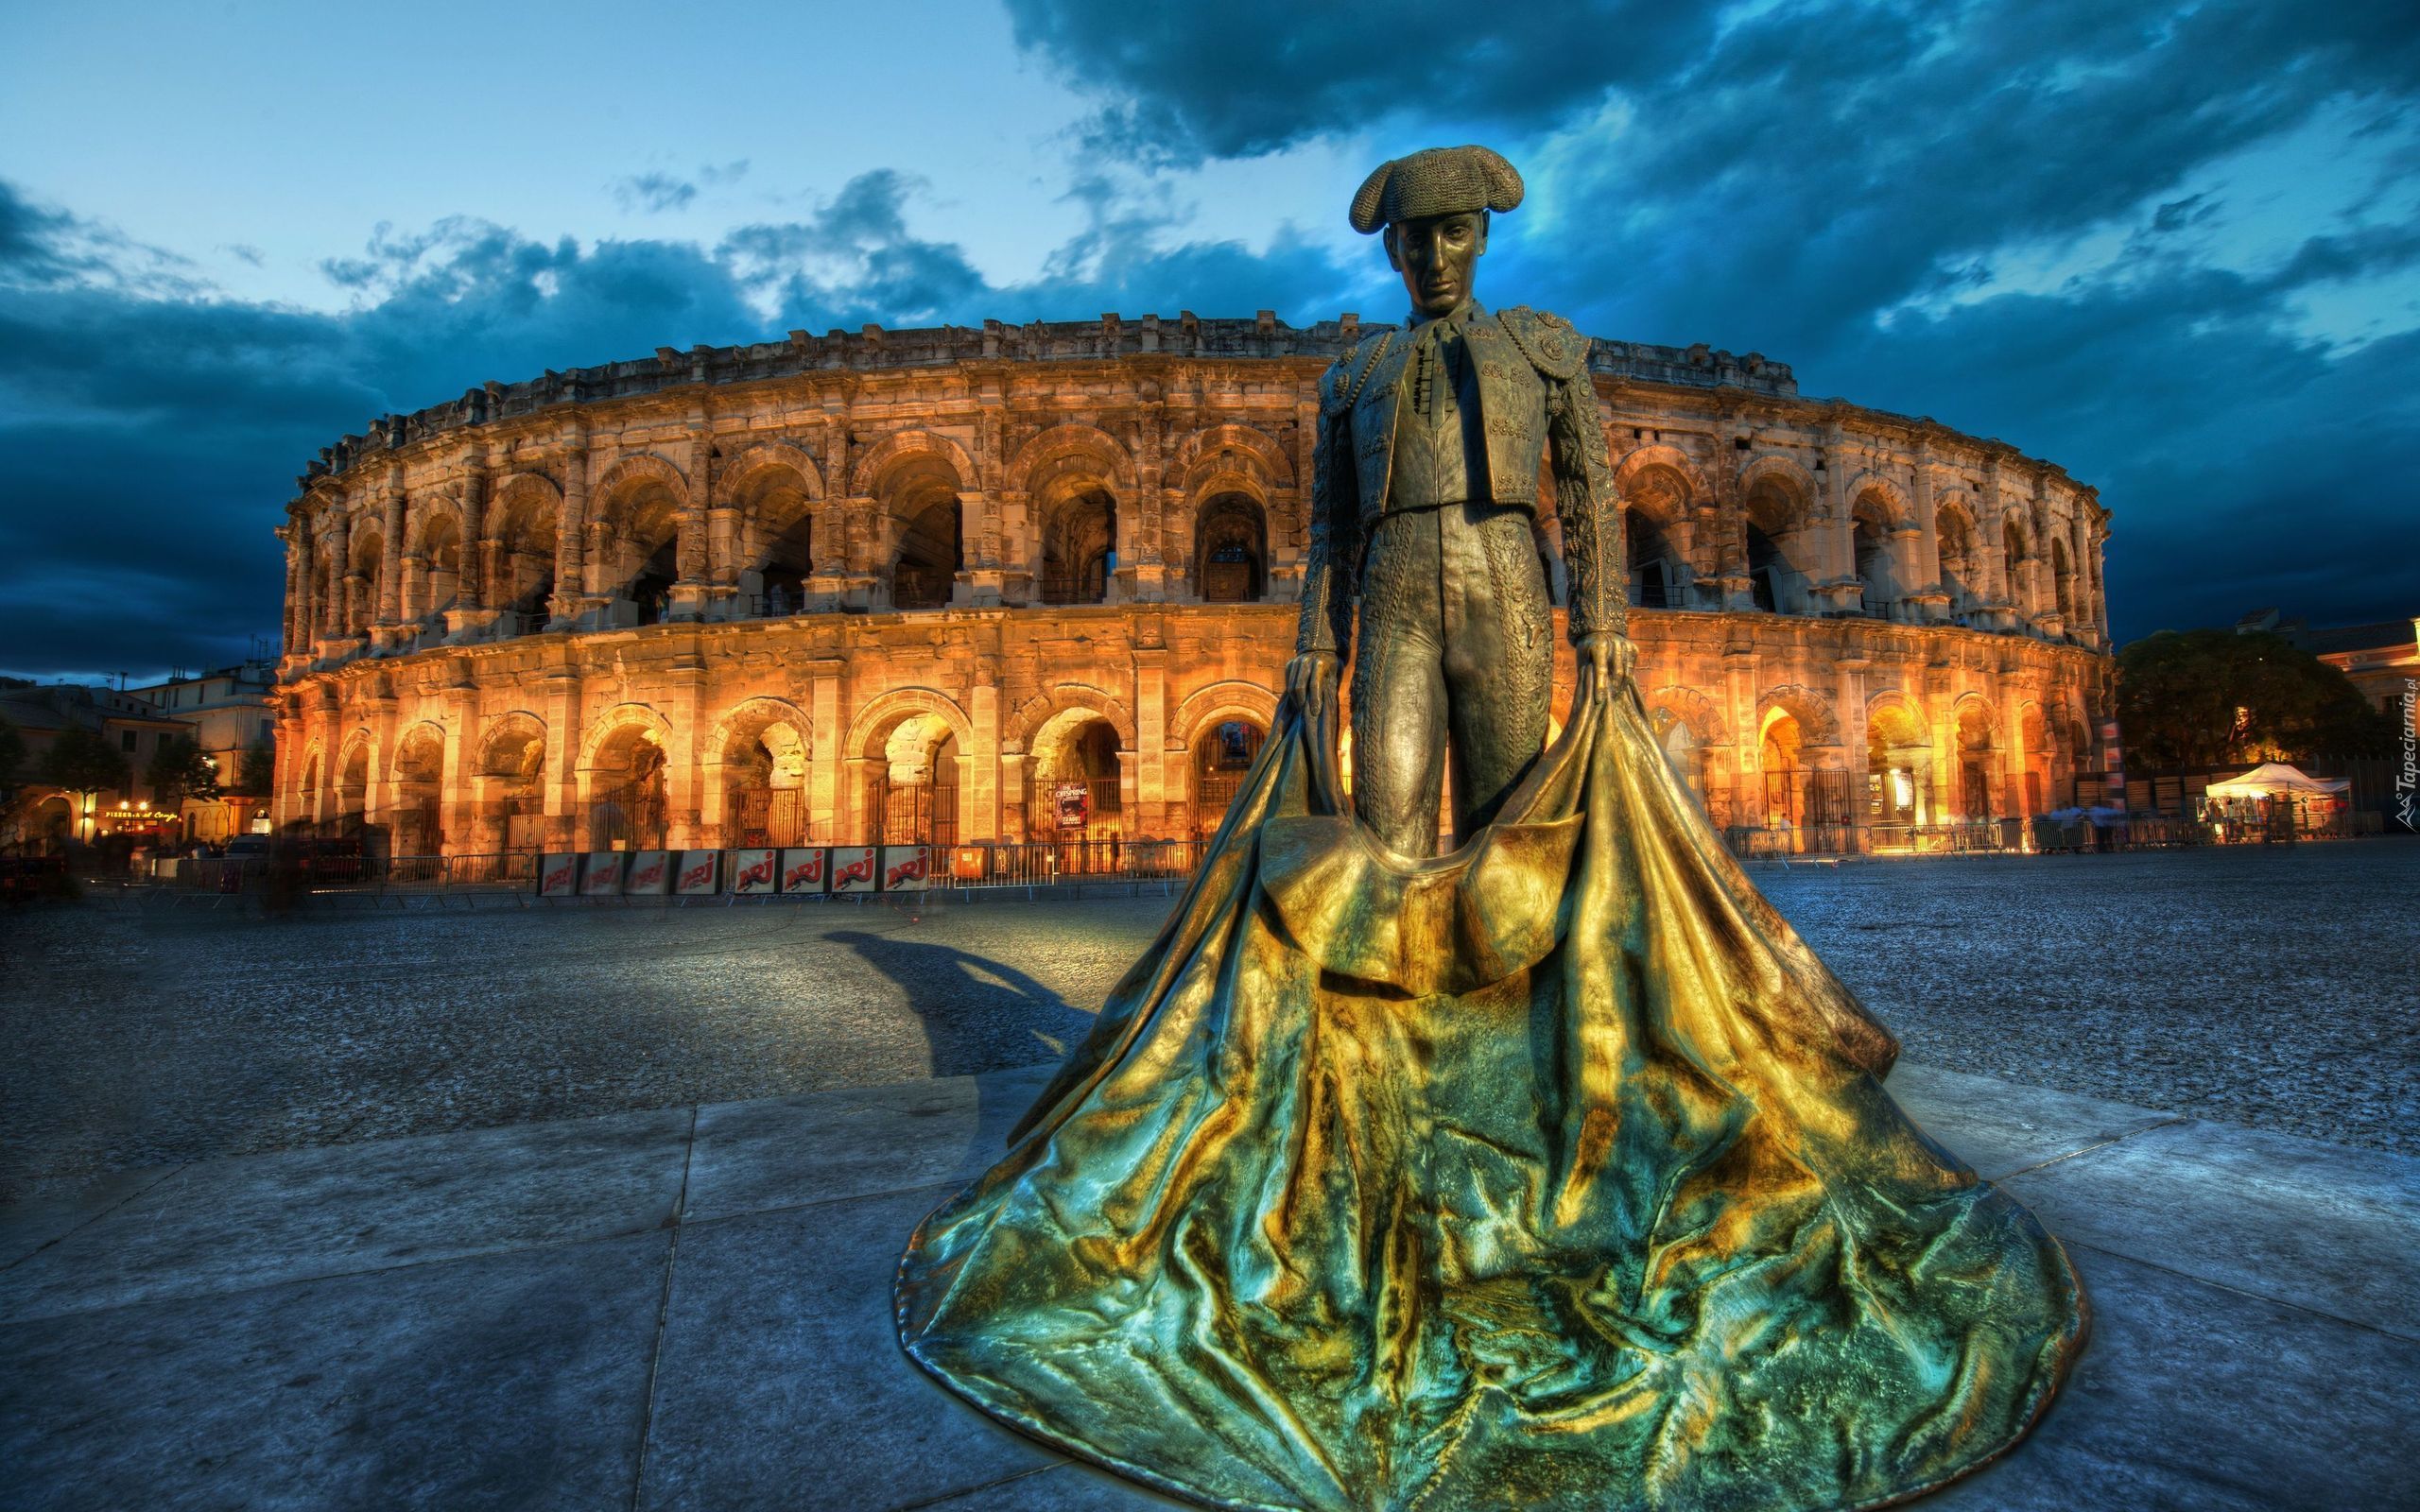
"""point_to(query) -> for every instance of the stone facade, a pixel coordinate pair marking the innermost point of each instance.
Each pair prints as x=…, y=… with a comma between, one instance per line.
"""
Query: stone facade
x=1029, y=581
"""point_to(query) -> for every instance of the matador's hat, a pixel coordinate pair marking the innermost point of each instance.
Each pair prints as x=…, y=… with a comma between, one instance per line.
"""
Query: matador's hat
x=1439, y=182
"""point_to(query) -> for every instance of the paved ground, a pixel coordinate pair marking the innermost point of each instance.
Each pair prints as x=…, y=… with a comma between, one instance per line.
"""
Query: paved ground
x=2276, y=989
x=689, y=1308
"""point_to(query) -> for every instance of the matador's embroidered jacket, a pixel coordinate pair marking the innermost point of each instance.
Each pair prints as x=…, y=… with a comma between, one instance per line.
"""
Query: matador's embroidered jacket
x=1534, y=400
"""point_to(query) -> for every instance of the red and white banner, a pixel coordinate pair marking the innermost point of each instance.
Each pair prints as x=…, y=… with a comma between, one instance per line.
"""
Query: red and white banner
x=696, y=872
x=650, y=875
x=559, y=874
x=805, y=870
x=755, y=870
x=906, y=868
x=604, y=875
x=855, y=868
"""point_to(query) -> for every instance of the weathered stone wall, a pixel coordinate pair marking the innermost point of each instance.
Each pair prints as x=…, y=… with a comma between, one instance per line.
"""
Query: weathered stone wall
x=711, y=570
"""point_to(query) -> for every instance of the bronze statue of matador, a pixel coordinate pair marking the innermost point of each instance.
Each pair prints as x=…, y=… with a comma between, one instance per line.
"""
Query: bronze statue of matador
x=1423, y=507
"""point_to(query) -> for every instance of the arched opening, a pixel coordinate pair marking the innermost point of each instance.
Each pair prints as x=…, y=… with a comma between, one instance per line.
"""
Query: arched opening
x=53, y=825
x=629, y=808
x=1780, y=758
x=1079, y=548
x=2013, y=566
x=1075, y=796
x=352, y=788
x=1973, y=760
x=1773, y=511
x=1221, y=755
x=1954, y=539
x=420, y=776
x=438, y=570
x=2033, y=751
x=361, y=583
x=1682, y=749
x=642, y=549
x=912, y=783
x=312, y=792
x=524, y=586
x=325, y=611
x=2063, y=577
x=513, y=766
x=1231, y=551
x=776, y=540
x=931, y=554
x=1655, y=566
x=1870, y=532
x=764, y=783
x=1898, y=770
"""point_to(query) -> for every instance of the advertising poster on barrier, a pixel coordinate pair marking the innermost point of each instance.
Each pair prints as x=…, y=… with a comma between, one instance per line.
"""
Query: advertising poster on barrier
x=755, y=870
x=906, y=868
x=604, y=875
x=805, y=870
x=650, y=875
x=559, y=874
x=855, y=868
x=696, y=872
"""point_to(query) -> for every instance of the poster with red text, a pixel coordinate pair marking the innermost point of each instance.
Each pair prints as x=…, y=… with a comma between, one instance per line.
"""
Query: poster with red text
x=855, y=868
x=650, y=875
x=805, y=870
x=604, y=875
x=906, y=868
x=696, y=874
x=559, y=874
x=755, y=870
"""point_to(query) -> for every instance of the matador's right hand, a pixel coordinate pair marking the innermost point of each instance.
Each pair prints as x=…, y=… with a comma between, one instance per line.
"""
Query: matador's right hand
x=1312, y=681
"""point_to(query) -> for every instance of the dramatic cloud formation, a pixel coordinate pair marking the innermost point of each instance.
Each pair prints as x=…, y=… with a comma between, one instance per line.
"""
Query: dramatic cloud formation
x=2176, y=250
x=181, y=419
x=2171, y=248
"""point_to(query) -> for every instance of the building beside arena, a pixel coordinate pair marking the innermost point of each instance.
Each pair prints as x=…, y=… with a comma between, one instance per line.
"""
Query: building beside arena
x=1038, y=582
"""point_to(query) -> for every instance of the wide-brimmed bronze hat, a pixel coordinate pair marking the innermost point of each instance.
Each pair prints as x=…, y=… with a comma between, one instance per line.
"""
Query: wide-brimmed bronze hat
x=1438, y=181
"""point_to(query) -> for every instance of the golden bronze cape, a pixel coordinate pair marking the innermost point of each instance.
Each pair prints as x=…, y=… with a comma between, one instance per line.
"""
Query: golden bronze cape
x=1554, y=1173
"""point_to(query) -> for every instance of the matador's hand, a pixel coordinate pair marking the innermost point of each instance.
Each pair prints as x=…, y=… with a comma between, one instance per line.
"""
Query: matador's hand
x=1609, y=662
x=1311, y=681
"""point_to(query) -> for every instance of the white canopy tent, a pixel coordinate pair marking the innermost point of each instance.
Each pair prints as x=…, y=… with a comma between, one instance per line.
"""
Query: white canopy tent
x=2279, y=780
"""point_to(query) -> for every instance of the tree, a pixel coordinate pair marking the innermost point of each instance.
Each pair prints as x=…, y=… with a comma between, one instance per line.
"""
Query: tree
x=2199, y=698
x=256, y=771
x=13, y=762
x=83, y=761
x=179, y=770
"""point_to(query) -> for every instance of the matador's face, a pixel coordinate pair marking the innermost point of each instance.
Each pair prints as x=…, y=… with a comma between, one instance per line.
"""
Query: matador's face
x=1438, y=256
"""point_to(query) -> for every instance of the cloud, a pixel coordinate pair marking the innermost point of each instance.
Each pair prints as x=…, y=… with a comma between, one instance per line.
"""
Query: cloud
x=1183, y=82
x=655, y=193
x=181, y=419
x=2174, y=250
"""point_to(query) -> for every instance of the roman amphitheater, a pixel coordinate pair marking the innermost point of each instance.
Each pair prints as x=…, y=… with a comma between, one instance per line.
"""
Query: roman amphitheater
x=1037, y=583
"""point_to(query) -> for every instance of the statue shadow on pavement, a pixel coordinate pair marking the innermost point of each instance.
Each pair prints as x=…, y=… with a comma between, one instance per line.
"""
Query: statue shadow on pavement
x=979, y=1014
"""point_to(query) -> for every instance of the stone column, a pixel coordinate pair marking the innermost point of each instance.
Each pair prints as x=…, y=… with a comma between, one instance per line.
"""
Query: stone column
x=1851, y=668
x=296, y=590
x=1150, y=786
x=981, y=583
x=571, y=537
x=561, y=690
x=692, y=552
x=1931, y=598
x=978, y=793
x=1747, y=764
x=341, y=567
x=458, y=805
x=826, y=804
x=687, y=710
x=470, y=580
x=391, y=562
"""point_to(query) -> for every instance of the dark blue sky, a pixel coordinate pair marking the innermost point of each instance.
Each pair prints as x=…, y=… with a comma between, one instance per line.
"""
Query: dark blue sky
x=2175, y=248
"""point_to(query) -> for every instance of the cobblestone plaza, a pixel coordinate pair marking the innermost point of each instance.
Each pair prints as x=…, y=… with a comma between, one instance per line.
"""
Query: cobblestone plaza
x=2267, y=988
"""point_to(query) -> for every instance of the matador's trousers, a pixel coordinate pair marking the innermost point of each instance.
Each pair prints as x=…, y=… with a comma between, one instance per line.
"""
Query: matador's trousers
x=1456, y=649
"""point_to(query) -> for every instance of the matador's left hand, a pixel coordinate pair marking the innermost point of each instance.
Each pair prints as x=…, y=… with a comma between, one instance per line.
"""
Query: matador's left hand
x=1611, y=660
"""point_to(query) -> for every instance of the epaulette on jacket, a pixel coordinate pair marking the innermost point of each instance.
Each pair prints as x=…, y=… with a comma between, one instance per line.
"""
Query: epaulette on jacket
x=1342, y=382
x=1549, y=341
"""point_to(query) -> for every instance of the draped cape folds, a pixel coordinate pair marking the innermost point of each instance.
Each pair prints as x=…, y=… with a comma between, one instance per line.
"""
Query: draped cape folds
x=1557, y=1172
